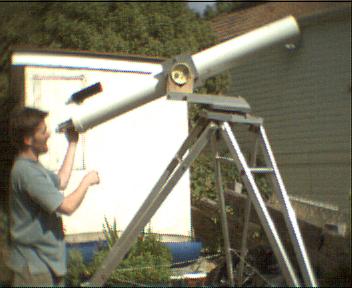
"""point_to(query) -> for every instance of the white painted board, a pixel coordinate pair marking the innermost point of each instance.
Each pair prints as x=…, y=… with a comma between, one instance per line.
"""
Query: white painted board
x=130, y=152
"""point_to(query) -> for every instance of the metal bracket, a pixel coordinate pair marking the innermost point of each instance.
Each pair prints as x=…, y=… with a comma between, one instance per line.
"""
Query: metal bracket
x=215, y=102
x=232, y=117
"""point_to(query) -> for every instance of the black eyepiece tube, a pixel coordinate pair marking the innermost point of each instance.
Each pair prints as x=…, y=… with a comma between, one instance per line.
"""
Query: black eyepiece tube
x=83, y=94
x=62, y=127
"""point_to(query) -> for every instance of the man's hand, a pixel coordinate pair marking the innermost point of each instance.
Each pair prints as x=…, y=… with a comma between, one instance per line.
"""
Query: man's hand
x=72, y=135
x=92, y=178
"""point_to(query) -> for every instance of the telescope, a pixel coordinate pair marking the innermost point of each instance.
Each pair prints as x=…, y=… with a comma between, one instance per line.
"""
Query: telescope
x=202, y=65
x=177, y=79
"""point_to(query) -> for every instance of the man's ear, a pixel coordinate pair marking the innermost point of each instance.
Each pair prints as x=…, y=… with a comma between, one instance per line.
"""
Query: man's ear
x=28, y=140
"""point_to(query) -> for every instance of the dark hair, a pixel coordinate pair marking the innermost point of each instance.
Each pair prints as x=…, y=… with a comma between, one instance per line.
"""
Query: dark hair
x=23, y=122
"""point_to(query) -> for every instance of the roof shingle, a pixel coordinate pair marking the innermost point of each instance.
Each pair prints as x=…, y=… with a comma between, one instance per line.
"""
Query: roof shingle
x=236, y=23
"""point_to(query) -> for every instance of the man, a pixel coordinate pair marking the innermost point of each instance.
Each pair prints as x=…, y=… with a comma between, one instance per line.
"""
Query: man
x=36, y=204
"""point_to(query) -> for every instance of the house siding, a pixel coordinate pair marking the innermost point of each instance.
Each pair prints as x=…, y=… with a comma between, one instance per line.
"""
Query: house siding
x=304, y=96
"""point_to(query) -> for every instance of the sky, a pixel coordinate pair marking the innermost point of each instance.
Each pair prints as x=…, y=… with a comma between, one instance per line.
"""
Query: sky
x=199, y=6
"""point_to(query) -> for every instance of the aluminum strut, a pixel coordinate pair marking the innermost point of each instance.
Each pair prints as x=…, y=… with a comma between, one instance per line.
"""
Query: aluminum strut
x=259, y=205
x=288, y=213
x=247, y=216
x=222, y=208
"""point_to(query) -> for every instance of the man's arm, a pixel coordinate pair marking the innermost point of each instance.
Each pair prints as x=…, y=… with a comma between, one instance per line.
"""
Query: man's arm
x=64, y=173
x=74, y=200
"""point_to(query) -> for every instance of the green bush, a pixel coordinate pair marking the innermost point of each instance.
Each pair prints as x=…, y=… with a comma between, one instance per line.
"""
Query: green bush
x=76, y=269
x=110, y=232
x=148, y=261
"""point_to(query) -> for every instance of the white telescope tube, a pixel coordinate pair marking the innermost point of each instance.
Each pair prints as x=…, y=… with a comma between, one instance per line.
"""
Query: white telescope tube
x=208, y=63
x=225, y=55
x=101, y=109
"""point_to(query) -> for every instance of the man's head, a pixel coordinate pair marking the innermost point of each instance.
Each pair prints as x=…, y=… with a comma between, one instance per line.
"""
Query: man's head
x=28, y=130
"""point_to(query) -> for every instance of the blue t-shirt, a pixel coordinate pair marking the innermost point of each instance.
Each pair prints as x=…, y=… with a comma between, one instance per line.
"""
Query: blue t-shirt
x=37, y=237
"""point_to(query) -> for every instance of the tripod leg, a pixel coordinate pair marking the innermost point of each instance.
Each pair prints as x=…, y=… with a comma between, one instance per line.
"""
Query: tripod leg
x=221, y=198
x=247, y=217
x=158, y=194
x=259, y=205
x=289, y=214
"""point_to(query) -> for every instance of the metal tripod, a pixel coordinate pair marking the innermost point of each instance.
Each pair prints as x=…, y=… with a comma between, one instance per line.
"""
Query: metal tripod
x=213, y=124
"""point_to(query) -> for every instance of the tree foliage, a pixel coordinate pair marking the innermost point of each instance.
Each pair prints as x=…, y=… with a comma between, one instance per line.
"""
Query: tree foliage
x=154, y=29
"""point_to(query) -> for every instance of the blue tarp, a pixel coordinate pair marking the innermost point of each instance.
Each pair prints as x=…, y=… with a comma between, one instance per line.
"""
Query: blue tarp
x=181, y=251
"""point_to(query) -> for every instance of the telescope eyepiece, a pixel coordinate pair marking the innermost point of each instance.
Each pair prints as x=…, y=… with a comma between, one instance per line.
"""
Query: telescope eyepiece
x=62, y=127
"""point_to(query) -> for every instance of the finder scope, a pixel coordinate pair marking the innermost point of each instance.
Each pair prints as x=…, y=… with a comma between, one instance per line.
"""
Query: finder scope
x=83, y=94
